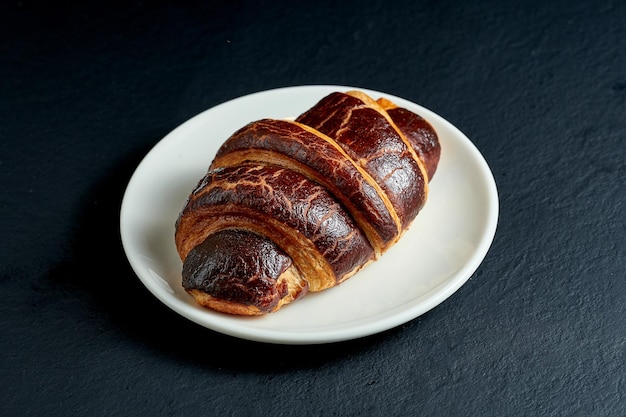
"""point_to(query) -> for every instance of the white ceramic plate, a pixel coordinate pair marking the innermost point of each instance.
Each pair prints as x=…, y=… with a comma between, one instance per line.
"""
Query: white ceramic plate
x=444, y=247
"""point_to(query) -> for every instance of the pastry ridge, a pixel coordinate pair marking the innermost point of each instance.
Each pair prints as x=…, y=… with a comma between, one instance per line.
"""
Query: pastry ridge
x=289, y=207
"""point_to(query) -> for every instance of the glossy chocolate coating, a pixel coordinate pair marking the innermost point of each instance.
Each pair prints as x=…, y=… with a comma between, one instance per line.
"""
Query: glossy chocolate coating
x=421, y=135
x=368, y=137
x=318, y=199
x=306, y=151
x=289, y=198
x=250, y=278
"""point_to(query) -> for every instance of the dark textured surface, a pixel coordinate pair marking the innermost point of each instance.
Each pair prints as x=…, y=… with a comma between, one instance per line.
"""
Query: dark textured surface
x=367, y=137
x=540, y=88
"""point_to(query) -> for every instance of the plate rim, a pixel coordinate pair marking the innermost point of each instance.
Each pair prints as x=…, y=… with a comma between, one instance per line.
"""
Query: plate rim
x=441, y=292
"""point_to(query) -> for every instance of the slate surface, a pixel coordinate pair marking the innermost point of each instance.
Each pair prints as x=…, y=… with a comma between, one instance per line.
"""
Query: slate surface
x=540, y=87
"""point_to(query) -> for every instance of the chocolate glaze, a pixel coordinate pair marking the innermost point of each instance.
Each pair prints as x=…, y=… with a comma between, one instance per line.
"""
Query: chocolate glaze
x=421, y=135
x=287, y=197
x=367, y=136
x=238, y=266
x=273, y=201
x=331, y=167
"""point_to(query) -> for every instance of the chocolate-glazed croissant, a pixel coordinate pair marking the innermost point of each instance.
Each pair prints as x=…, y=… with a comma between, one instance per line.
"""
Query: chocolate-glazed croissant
x=288, y=207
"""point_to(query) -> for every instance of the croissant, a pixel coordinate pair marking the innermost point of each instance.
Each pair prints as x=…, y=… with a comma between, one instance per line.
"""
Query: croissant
x=292, y=206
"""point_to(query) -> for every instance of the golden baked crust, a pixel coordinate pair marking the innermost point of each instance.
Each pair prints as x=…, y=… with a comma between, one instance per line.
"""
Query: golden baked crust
x=289, y=207
x=420, y=134
x=302, y=149
x=364, y=130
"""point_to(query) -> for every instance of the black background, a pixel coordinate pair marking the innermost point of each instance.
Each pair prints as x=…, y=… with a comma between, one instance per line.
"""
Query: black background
x=86, y=90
